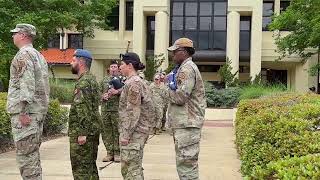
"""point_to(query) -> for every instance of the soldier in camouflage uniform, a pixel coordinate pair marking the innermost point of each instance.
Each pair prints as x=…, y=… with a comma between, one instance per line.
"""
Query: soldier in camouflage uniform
x=136, y=118
x=186, y=109
x=28, y=99
x=110, y=114
x=84, y=120
x=158, y=91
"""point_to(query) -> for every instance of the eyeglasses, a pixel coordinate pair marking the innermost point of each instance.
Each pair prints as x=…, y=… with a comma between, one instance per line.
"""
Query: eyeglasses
x=177, y=50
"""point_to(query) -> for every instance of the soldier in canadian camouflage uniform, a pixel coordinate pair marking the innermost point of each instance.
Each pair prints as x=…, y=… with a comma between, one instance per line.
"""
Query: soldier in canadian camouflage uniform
x=186, y=109
x=84, y=120
x=109, y=112
x=159, y=97
x=28, y=99
x=136, y=118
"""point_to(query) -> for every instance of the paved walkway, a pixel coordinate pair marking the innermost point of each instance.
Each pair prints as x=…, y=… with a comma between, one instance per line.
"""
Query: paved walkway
x=218, y=158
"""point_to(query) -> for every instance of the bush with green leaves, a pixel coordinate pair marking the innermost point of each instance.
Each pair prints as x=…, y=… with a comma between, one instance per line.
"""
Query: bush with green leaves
x=221, y=98
x=289, y=168
x=56, y=119
x=272, y=128
x=5, y=125
x=62, y=90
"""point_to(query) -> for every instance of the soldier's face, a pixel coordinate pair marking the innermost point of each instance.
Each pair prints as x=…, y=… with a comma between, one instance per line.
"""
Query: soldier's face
x=17, y=38
x=75, y=65
x=114, y=69
x=179, y=55
x=124, y=68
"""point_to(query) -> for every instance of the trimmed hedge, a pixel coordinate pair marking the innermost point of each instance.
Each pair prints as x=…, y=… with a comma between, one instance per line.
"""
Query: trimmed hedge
x=55, y=121
x=304, y=167
x=272, y=128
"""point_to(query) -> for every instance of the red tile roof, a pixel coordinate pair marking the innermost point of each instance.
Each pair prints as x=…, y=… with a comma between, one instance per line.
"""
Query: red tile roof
x=58, y=56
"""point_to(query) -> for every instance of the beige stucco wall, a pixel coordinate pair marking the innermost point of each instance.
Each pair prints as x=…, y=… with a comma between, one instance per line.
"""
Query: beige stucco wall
x=63, y=72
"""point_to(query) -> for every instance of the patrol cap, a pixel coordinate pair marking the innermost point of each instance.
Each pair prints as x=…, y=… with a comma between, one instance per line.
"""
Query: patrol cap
x=182, y=42
x=26, y=28
x=82, y=53
x=130, y=56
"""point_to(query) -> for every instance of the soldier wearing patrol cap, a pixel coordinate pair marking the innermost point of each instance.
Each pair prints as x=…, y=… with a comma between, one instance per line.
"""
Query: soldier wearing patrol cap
x=84, y=122
x=186, y=109
x=136, y=112
x=28, y=99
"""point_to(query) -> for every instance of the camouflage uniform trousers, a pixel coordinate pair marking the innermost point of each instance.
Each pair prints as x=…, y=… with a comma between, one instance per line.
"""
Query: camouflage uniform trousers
x=164, y=124
x=110, y=132
x=159, y=115
x=187, y=142
x=27, y=147
x=131, y=157
x=83, y=158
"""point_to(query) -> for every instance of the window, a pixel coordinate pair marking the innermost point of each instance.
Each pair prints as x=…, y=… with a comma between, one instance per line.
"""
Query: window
x=284, y=5
x=75, y=41
x=209, y=68
x=54, y=42
x=150, y=32
x=129, y=16
x=203, y=21
x=112, y=20
x=268, y=8
x=245, y=33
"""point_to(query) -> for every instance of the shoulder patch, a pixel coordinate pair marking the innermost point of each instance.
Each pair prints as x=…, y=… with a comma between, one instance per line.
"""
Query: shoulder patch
x=134, y=94
x=182, y=76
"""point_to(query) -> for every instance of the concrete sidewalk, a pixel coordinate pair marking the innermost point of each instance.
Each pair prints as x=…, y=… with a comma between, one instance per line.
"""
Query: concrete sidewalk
x=218, y=158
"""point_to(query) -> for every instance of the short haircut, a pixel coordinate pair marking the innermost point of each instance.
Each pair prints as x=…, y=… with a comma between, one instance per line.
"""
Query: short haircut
x=190, y=50
x=87, y=61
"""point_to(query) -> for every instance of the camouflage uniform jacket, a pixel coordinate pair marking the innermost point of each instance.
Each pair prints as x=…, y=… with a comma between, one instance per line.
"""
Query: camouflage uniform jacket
x=187, y=103
x=84, y=111
x=136, y=109
x=29, y=82
x=112, y=104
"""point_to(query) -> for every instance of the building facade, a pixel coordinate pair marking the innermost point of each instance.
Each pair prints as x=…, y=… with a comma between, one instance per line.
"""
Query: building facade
x=220, y=29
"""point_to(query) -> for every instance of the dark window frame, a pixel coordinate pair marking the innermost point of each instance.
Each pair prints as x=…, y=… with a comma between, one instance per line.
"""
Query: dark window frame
x=112, y=20
x=72, y=42
x=245, y=31
x=284, y=5
x=264, y=16
x=129, y=16
x=150, y=32
x=198, y=32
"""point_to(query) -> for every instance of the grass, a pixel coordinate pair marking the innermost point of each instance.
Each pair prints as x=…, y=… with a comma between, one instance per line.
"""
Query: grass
x=256, y=91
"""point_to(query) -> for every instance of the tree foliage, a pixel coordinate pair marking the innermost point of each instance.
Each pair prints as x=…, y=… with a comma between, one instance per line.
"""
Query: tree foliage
x=302, y=19
x=153, y=63
x=227, y=77
x=49, y=17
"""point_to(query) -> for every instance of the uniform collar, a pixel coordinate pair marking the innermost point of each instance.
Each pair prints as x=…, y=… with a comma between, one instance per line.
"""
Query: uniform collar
x=85, y=73
x=25, y=46
x=185, y=61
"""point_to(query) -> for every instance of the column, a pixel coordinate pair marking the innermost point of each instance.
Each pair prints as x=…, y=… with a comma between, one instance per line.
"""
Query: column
x=139, y=30
x=122, y=18
x=161, y=37
x=277, y=7
x=233, y=39
x=256, y=44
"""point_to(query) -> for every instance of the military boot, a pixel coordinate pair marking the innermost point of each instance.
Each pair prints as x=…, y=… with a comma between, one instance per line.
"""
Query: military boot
x=108, y=158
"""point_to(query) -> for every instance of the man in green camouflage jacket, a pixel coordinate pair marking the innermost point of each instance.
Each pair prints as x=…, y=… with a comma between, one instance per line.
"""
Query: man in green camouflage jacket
x=84, y=120
x=28, y=99
x=109, y=112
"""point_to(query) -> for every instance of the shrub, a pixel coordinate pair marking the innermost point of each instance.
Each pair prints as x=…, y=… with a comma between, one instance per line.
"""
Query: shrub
x=271, y=128
x=55, y=120
x=304, y=167
x=5, y=125
x=62, y=90
x=222, y=98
